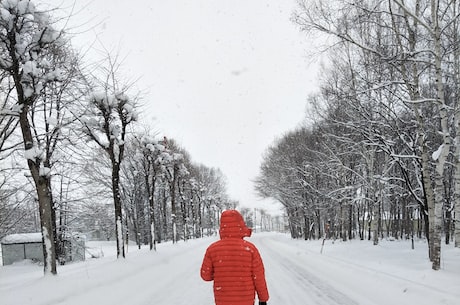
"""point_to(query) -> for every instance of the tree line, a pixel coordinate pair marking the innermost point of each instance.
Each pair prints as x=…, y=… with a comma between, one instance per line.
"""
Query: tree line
x=74, y=155
x=379, y=156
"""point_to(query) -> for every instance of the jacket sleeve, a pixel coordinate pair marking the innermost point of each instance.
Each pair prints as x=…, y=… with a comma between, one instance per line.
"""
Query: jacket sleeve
x=207, y=269
x=259, y=277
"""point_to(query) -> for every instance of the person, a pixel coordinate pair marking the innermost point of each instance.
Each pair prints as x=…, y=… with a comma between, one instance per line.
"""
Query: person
x=234, y=264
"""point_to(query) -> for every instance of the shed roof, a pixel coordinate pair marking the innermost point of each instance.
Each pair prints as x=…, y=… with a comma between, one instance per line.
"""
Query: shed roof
x=22, y=238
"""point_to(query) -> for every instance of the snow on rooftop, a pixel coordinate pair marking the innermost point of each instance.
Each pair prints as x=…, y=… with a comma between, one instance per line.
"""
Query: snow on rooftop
x=22, y=238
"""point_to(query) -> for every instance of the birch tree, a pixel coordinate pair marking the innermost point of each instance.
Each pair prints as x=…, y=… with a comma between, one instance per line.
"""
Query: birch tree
x=419, y=59
x=438, y=22
x=455, y=36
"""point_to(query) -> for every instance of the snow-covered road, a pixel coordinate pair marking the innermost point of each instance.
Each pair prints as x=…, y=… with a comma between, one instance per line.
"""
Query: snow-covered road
x=292, y=280
x=297, y=274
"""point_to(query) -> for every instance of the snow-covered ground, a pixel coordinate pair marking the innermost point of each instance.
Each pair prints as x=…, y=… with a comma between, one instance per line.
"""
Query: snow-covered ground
x=346, y=273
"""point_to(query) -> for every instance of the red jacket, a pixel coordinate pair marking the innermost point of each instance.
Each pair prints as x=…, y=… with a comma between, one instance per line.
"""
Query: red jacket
x=234, y=264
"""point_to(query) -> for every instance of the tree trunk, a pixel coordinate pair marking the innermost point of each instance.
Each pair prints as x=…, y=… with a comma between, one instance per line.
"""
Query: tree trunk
x=457, y=179
x=350, y=222
x=445, y=147
x=318, y=220
x=44, y=198
x=45, y=207
x=457, y=138
x=377, y=223
x=172, y=188
x=164, y=215
x=447, y=226
x=370, y=212
x=150, y=189
x=343, y=222
x=457, y=224
x=152, y=241
x=117, y=205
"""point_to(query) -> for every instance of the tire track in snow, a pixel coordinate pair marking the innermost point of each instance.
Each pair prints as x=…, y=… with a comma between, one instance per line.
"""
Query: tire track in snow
x=291, y=283
x=332, y=277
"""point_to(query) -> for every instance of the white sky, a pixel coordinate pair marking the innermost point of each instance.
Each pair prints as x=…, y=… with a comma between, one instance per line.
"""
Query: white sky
x=223, y=78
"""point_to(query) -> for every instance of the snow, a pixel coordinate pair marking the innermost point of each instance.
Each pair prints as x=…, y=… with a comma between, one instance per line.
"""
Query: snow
x=49, y=35
x=4, y=14
x=48, y=244
x=98, y=96
x=24, y=6
x=346, y=273
x=33, y=153
x=30, y=68
x=437, y=153
x=52, y=121
x=22, y=238
x=44, y=171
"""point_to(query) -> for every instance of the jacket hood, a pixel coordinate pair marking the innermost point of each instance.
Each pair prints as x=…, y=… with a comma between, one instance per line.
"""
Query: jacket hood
x=232, y=225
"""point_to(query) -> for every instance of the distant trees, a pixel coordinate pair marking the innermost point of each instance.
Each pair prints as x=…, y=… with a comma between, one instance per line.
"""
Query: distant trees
x=175, y=199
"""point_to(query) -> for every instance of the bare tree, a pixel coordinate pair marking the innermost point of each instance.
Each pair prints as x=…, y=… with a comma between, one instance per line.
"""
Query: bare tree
x=8, y=117
x=36, y=59
x=151, y=166
x=110, y=111
x=160, y=182
x=410, y=42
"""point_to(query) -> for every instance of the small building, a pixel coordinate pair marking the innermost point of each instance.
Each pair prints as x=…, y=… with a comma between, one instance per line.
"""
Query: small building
x=18, y=247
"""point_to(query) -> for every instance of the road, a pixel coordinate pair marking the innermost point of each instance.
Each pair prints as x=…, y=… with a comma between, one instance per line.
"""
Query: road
x=296, y=272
